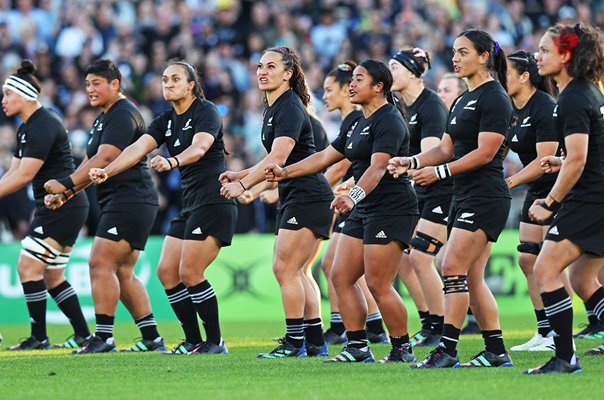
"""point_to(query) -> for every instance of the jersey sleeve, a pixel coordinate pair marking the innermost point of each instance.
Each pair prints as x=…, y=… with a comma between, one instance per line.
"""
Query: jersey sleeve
x=433, y=119
x=119, y=129
x=157, y=129
x=388, y=135
x=207, y=121
x=545, y=122
x=496, y=113
x=39, y=140
x=339, y=143
x=289, y=121
x=573, y=112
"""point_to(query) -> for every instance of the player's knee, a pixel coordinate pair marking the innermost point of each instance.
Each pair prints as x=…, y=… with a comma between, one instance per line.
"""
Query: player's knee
x=526, y=261
x=455, y=284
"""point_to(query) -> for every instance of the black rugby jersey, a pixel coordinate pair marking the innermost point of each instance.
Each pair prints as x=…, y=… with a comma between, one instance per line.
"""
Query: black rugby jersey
x=318, y=134
x=383, y=132
x=121, y=126
x=200, y=184
x=427, y=117
x=532, y=125
x=580, y=109
x=485, y=109
x=44, y=137
x=348, y=125
x=288, y=117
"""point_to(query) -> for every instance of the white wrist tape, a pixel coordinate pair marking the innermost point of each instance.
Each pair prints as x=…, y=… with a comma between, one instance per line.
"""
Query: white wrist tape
x=442, y=171
x=357, y=194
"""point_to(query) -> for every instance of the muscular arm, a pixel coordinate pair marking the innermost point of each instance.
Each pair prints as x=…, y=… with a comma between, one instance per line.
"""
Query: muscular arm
x=281, y=149
x=202, y=141
x=131, y=155
x=315, y=163
x=572, y=167
x=489, y=144
x=20, y=173
x=337, y=171
x=533, y=170
x=438, y=154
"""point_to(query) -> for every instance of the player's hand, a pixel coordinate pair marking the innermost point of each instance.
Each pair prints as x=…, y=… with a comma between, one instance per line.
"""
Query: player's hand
x=343, y=203
x=228, y=176
x=54, y=187
x=341, y=188
x=424, y=176
x=54, y=201
x=161, y=164
x=274, y=173
x=231, y=190
x=537, y=213
x=246, y=197
x=97, y=175
x=270, y=196
x=398, y=166
x=550, y=164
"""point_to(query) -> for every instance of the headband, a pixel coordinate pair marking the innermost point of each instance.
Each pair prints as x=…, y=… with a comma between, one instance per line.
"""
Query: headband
x=21, y=87
x=408, y=62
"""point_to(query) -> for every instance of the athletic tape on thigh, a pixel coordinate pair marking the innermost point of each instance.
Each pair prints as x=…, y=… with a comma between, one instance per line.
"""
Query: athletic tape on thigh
x=426, y=244
x=455, y=284
x=38, y=249
x=529, y=247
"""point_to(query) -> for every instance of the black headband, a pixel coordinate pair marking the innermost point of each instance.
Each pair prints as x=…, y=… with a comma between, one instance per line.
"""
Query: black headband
x=408, y=62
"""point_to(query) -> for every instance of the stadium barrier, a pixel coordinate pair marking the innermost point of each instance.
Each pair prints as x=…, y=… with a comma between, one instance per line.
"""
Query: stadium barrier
x=242, y=277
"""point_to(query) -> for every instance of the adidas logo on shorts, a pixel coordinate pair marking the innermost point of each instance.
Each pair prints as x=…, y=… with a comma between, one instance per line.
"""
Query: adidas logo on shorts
x=554, y=231
x=437, y=210
x=292, y=221
x=39, y=230
x=197, y=231
x=381, y=235
x=113, y=231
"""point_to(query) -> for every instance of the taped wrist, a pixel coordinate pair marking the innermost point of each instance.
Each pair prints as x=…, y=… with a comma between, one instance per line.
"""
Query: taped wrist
x=414, y=162
x=357, y=194
x=442, y=171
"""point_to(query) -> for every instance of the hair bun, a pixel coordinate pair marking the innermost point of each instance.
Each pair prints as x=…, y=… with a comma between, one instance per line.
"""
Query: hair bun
x=27, y=67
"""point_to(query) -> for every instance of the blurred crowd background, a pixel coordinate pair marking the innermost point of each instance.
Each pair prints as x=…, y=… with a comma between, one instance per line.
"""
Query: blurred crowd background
x=224, y=39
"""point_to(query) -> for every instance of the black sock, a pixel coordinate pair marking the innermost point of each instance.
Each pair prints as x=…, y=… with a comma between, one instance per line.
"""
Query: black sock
x=436, y=324
x=67, y=301
x=374, y=323
x=470, y=317
x=357, y=339
x=493, y=341
x=559, y=310
x=104, y=326
x=294, y=331
x=181, y=303
x=148, y=327
x=205, y=302
x=336, y=323
x=35, y=297
x=313, y=331
x=591, y=316
x=543, y=327
x=449, y=339
x=596, y=303
x=424, y=318
x=398, y=341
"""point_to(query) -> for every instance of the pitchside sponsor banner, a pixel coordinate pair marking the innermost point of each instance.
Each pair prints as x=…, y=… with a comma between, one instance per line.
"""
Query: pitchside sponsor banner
x=242, y=277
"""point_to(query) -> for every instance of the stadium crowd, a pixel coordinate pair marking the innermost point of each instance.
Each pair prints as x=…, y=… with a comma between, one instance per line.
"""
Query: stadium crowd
x=224, y=39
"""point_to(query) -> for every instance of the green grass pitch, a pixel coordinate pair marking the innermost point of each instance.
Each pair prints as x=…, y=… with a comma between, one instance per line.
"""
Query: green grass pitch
x=56, y=374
